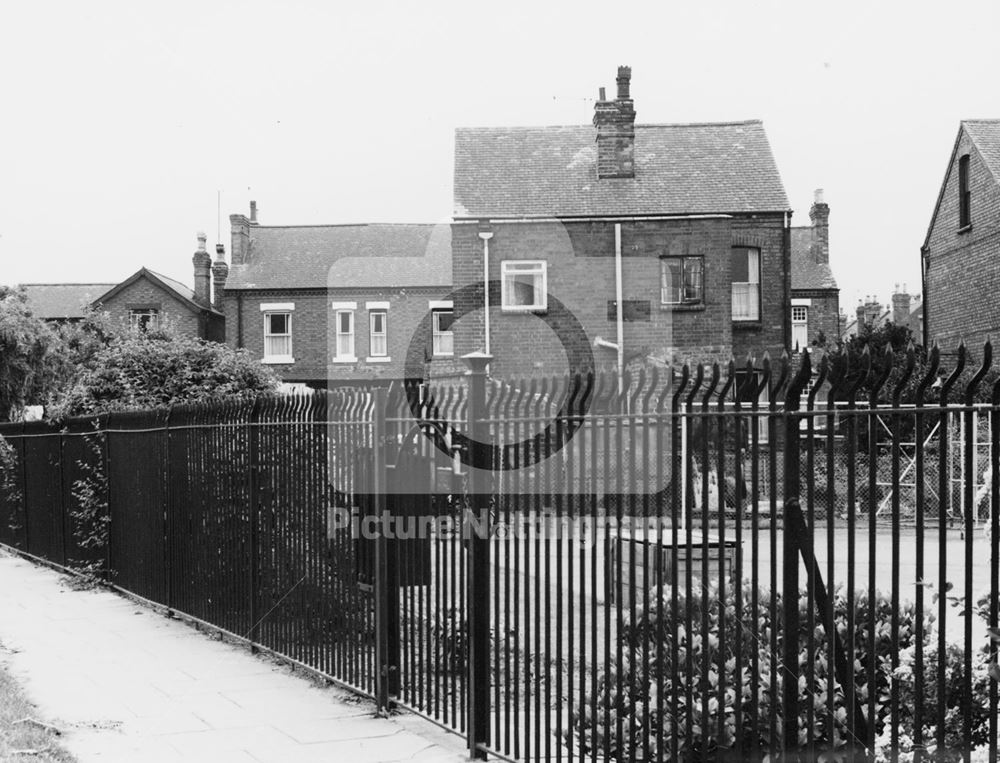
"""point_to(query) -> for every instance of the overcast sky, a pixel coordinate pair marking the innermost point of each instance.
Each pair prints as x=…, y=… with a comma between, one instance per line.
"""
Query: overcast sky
x=121, y=122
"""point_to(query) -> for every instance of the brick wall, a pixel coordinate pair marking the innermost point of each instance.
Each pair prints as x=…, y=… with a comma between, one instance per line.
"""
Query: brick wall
x=581, y=274
x=313, y=331
x=824, y=313
x=185, y=319
x=962, y=298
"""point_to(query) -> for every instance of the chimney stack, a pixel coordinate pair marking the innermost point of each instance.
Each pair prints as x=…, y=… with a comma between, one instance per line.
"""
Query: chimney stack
x=239, y=247
x=859, y=311
x=220, y=272
x=819, y=214
x=901, y=307
x=615, y=123
x=202, y=269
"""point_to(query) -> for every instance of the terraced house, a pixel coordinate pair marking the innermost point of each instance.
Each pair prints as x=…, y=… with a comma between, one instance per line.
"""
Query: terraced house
x=619, y=243
x=340, y=303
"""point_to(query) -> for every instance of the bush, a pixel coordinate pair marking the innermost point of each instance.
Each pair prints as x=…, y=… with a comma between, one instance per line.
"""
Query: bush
x=633, y=696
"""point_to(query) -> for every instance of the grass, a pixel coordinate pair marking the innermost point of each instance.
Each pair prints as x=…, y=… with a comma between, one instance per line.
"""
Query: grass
x=23, y=735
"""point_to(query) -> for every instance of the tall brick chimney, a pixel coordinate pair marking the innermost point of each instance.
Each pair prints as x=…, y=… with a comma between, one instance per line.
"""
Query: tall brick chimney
x=220, y=272
x=901, y=307
x=240, y=242
x=819, y=214
x=615, y=123
x=202, y=273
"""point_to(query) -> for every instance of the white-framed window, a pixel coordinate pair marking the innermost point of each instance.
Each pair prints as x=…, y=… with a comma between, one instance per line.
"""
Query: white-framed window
x=278, y=337
x=144, y=319
x=682, y=280
x=442, y=337
x=344, y=330
x=800, y=327
x=378, y=343
x=746, y=283
x=523, y=286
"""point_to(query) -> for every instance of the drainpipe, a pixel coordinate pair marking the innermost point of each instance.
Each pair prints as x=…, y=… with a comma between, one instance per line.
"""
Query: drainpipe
x=619, y=319
x=239, y=320
x=486, y=235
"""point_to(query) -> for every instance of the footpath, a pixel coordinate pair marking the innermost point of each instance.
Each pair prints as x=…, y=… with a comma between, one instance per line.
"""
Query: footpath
x=125, y=683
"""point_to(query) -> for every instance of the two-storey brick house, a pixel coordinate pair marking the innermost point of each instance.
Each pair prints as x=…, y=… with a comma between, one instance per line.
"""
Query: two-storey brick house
x=339, y=303
x=637, y=243
x=960, y=256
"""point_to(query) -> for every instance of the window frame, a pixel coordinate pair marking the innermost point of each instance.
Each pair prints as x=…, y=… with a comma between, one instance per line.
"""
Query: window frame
x=152, y=314
x=964, y=193
x=803, y=325
x=436, y=332
x=382, y=356
x=270, y=357
x=751, y=272
x=351, y=357
x=698, y=259
x=506, y=266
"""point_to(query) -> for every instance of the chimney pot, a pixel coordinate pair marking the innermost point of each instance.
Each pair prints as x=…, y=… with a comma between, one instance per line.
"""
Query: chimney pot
x=624, y=77
x=600, y=94
x=220, y=252
x=818, y=196
x=202, y=238
x=253, y=211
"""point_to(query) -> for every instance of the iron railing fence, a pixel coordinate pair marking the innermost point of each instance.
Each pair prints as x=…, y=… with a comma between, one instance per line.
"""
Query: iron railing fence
x=562, y=569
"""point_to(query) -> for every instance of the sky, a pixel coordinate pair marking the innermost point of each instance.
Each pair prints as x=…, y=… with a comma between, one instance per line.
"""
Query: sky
x=126, y=128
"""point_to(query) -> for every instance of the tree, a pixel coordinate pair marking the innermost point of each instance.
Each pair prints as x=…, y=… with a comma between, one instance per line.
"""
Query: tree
x=28, y=353
x=138, y=370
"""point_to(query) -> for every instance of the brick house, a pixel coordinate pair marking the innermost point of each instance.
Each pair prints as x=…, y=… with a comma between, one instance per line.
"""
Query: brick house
x=144, y=300
x=815, y=313
x=685, y=226
x=905, y=310
x=961, y=252
x=334, y=303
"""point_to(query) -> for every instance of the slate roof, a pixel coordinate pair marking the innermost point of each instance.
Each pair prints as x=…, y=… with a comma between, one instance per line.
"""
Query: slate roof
x=62, y=301
x=178, y=289
x=807, y=273
x=551, y=172
x=985, y=133
x=377, y=255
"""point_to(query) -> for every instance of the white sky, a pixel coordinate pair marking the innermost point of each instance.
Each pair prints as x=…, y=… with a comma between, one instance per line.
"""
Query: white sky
x=120, y=122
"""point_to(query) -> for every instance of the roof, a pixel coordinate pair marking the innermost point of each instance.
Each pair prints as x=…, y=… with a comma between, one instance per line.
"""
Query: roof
x=985, y=136
x=62, y=301
x=716, y=168
x=916, y=304
x=376, y=255
x=807, y=273
x=179, y=290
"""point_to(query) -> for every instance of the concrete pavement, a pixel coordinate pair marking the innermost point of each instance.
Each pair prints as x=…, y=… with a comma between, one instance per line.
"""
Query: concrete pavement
x=126, y=683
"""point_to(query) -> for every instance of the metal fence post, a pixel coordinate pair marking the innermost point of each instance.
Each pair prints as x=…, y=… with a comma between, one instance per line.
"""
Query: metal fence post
x=478, y=583
x=385, y=582
x=791, y=544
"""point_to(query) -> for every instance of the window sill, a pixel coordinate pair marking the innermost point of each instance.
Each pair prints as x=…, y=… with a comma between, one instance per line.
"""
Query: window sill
x=278, y=360
x=750, y=325
x=345, y=359
x=965, y=229
x=682, y=308
x=378, y=359
x=523, y=310
x=438, y=355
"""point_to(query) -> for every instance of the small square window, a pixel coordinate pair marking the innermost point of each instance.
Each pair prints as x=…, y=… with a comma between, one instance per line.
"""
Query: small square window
x=443, y=338
x=682, y=280
x=147, y=319
x=523, y=285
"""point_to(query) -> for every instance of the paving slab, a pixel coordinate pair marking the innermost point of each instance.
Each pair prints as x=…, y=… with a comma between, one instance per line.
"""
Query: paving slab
x=126, y=683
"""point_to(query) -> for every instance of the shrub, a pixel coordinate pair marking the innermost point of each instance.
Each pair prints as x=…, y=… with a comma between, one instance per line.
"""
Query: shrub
x=632, y=693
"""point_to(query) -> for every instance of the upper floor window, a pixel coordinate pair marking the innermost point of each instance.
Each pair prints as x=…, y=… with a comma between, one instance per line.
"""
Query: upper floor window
x=378, y=346
x=344, y=325
x=442, y=337
x=278, y=336
x=144, y=319
x=746, y=283
x=682, y=280
x=800, y=327
x=523, y=285
x=964, y=194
